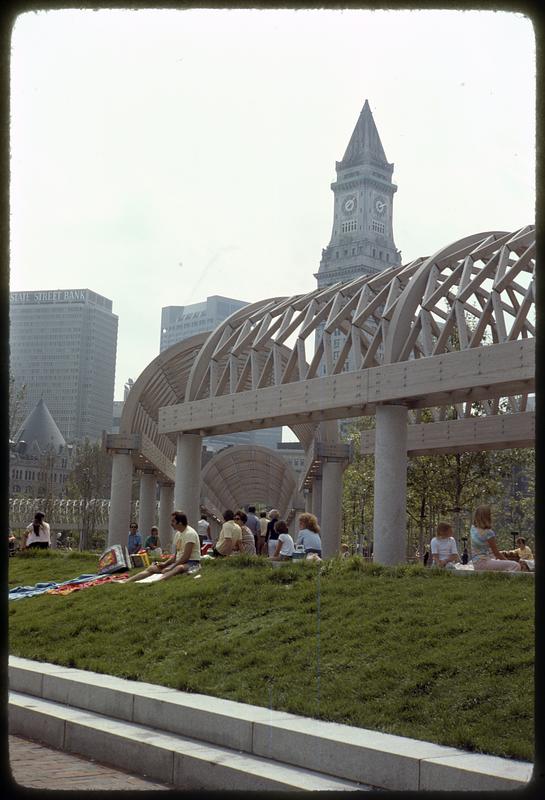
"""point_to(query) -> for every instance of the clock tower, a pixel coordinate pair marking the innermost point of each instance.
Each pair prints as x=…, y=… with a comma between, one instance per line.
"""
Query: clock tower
x=362, y=240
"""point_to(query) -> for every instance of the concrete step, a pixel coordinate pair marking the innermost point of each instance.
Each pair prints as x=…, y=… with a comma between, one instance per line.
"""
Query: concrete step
x=184, y=762
x=342, y=751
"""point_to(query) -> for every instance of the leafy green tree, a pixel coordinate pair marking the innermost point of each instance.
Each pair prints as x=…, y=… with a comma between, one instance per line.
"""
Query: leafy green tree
x=447, y=487
x=89, y=479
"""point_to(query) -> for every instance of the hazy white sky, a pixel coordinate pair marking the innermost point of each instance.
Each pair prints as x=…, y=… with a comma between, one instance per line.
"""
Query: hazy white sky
x=162, y=156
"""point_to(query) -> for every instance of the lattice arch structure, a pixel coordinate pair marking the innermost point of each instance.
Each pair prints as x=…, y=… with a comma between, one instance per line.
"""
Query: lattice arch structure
x=477, y=291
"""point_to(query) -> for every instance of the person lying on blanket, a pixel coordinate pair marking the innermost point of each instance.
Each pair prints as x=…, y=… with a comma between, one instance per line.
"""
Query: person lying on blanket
x=188, y=552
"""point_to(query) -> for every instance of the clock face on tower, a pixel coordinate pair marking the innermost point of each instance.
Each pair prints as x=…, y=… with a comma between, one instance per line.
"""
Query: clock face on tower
x=349, y=204
x=380, y=205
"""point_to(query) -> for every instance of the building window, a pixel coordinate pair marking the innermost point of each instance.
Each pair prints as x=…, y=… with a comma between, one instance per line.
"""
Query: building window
x=346, y=227
x=378, y=227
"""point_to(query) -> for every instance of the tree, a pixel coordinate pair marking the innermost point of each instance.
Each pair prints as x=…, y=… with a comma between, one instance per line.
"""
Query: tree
x=89, y=479
x=358, y=483
x=448, y=487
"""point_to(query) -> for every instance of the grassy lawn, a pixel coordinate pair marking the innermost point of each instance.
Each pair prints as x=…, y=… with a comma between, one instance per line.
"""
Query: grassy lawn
x=404, y=650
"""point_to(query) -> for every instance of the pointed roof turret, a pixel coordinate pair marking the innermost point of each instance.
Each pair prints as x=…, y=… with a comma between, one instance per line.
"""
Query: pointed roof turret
x=40, y=427
x=364, y=145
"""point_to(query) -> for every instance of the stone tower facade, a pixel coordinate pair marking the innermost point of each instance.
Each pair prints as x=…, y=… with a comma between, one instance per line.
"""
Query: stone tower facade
x=362, y=240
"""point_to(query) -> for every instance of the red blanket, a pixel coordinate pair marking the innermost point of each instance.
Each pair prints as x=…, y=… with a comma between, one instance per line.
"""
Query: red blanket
x=74, y=587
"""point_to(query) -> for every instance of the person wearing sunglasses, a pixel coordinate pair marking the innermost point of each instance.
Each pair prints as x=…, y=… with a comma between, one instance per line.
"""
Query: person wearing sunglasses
x=246, y=543
x=135, y=540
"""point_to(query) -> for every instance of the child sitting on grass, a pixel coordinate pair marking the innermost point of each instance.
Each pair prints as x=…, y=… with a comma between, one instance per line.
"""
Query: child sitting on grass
x=443, y=546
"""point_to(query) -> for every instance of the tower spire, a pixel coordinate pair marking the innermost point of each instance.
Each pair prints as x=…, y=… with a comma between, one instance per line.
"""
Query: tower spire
x=364, y=145
x=362, y=240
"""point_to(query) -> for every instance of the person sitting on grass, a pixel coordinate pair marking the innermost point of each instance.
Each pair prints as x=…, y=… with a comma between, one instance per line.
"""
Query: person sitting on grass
x=345, y=551
x=309, y=534
x=523, y=551
x=38, y=533
x=443, y=546
x=230, y=534
x=284, y=545
x=485, y=553
x=246, y=544
x=188, y=553
x=152, y=542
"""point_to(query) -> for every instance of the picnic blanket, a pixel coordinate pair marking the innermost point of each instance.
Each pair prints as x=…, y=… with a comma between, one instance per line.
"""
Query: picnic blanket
x=72, y=586
x=82, y=581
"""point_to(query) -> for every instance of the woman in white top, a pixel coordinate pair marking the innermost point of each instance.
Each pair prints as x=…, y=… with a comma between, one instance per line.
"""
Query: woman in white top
x=443, y=546
x=38, y=533
x=284, y=544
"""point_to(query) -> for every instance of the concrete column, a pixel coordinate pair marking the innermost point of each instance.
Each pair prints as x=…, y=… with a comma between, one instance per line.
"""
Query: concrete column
x=390, y=514
x=120, y=499
x=317, y=497
x=148, y=493
x=187, y=492
x=331, y=519
x=308, y=501
x=166, y=507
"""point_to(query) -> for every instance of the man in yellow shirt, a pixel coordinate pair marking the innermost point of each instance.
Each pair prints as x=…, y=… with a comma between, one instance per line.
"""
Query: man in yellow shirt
x=187, y=555
x=230, y=534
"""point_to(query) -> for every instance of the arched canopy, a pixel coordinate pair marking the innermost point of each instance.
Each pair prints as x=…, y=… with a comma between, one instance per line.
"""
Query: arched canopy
x=248, y=474
x=473, y=295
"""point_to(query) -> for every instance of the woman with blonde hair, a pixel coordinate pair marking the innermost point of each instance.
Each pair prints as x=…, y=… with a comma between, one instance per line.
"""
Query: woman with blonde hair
x=485, y=553
x=309, y=534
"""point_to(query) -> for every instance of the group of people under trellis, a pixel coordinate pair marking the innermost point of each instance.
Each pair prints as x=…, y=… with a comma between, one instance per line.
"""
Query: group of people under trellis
x=241, y=532
x=268, y=536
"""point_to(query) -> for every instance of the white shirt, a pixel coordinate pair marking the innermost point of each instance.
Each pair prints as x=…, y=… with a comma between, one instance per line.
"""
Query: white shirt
x=287, y=544
x=45, y=533
x=204, y=528
x=443, y=547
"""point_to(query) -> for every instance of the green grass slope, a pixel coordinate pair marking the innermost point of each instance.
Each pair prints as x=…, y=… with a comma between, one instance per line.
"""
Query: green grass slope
x=406, y=650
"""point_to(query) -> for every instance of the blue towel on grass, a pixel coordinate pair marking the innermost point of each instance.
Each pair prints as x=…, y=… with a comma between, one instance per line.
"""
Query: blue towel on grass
x=40, y=588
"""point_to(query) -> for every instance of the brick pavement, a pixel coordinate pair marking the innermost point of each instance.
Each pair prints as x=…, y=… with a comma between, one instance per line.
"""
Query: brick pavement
x=39, y=767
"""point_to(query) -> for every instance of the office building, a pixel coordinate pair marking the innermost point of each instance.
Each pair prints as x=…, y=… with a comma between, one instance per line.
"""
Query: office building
x=63, y=349
x=181, y=322
x=119, y=405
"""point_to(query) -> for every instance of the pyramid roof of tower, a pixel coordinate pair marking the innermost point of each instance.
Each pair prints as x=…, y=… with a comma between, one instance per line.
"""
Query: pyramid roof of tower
x=364, y=145
x=40, y=427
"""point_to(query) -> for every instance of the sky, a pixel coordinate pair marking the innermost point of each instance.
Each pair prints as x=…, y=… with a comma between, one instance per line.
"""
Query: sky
x=162, y=156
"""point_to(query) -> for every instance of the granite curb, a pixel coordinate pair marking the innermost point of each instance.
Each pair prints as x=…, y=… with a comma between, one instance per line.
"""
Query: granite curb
x=341, y=752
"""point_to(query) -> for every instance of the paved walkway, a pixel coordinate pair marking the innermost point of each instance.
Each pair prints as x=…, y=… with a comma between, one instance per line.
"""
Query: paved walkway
x=40, y=767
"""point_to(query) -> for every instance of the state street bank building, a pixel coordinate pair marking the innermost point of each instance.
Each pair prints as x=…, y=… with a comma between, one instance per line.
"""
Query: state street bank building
x=63, y=348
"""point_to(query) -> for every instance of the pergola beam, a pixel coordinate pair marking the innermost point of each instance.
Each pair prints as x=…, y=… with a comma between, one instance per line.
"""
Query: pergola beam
x=495, y=432
x=478, y=373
